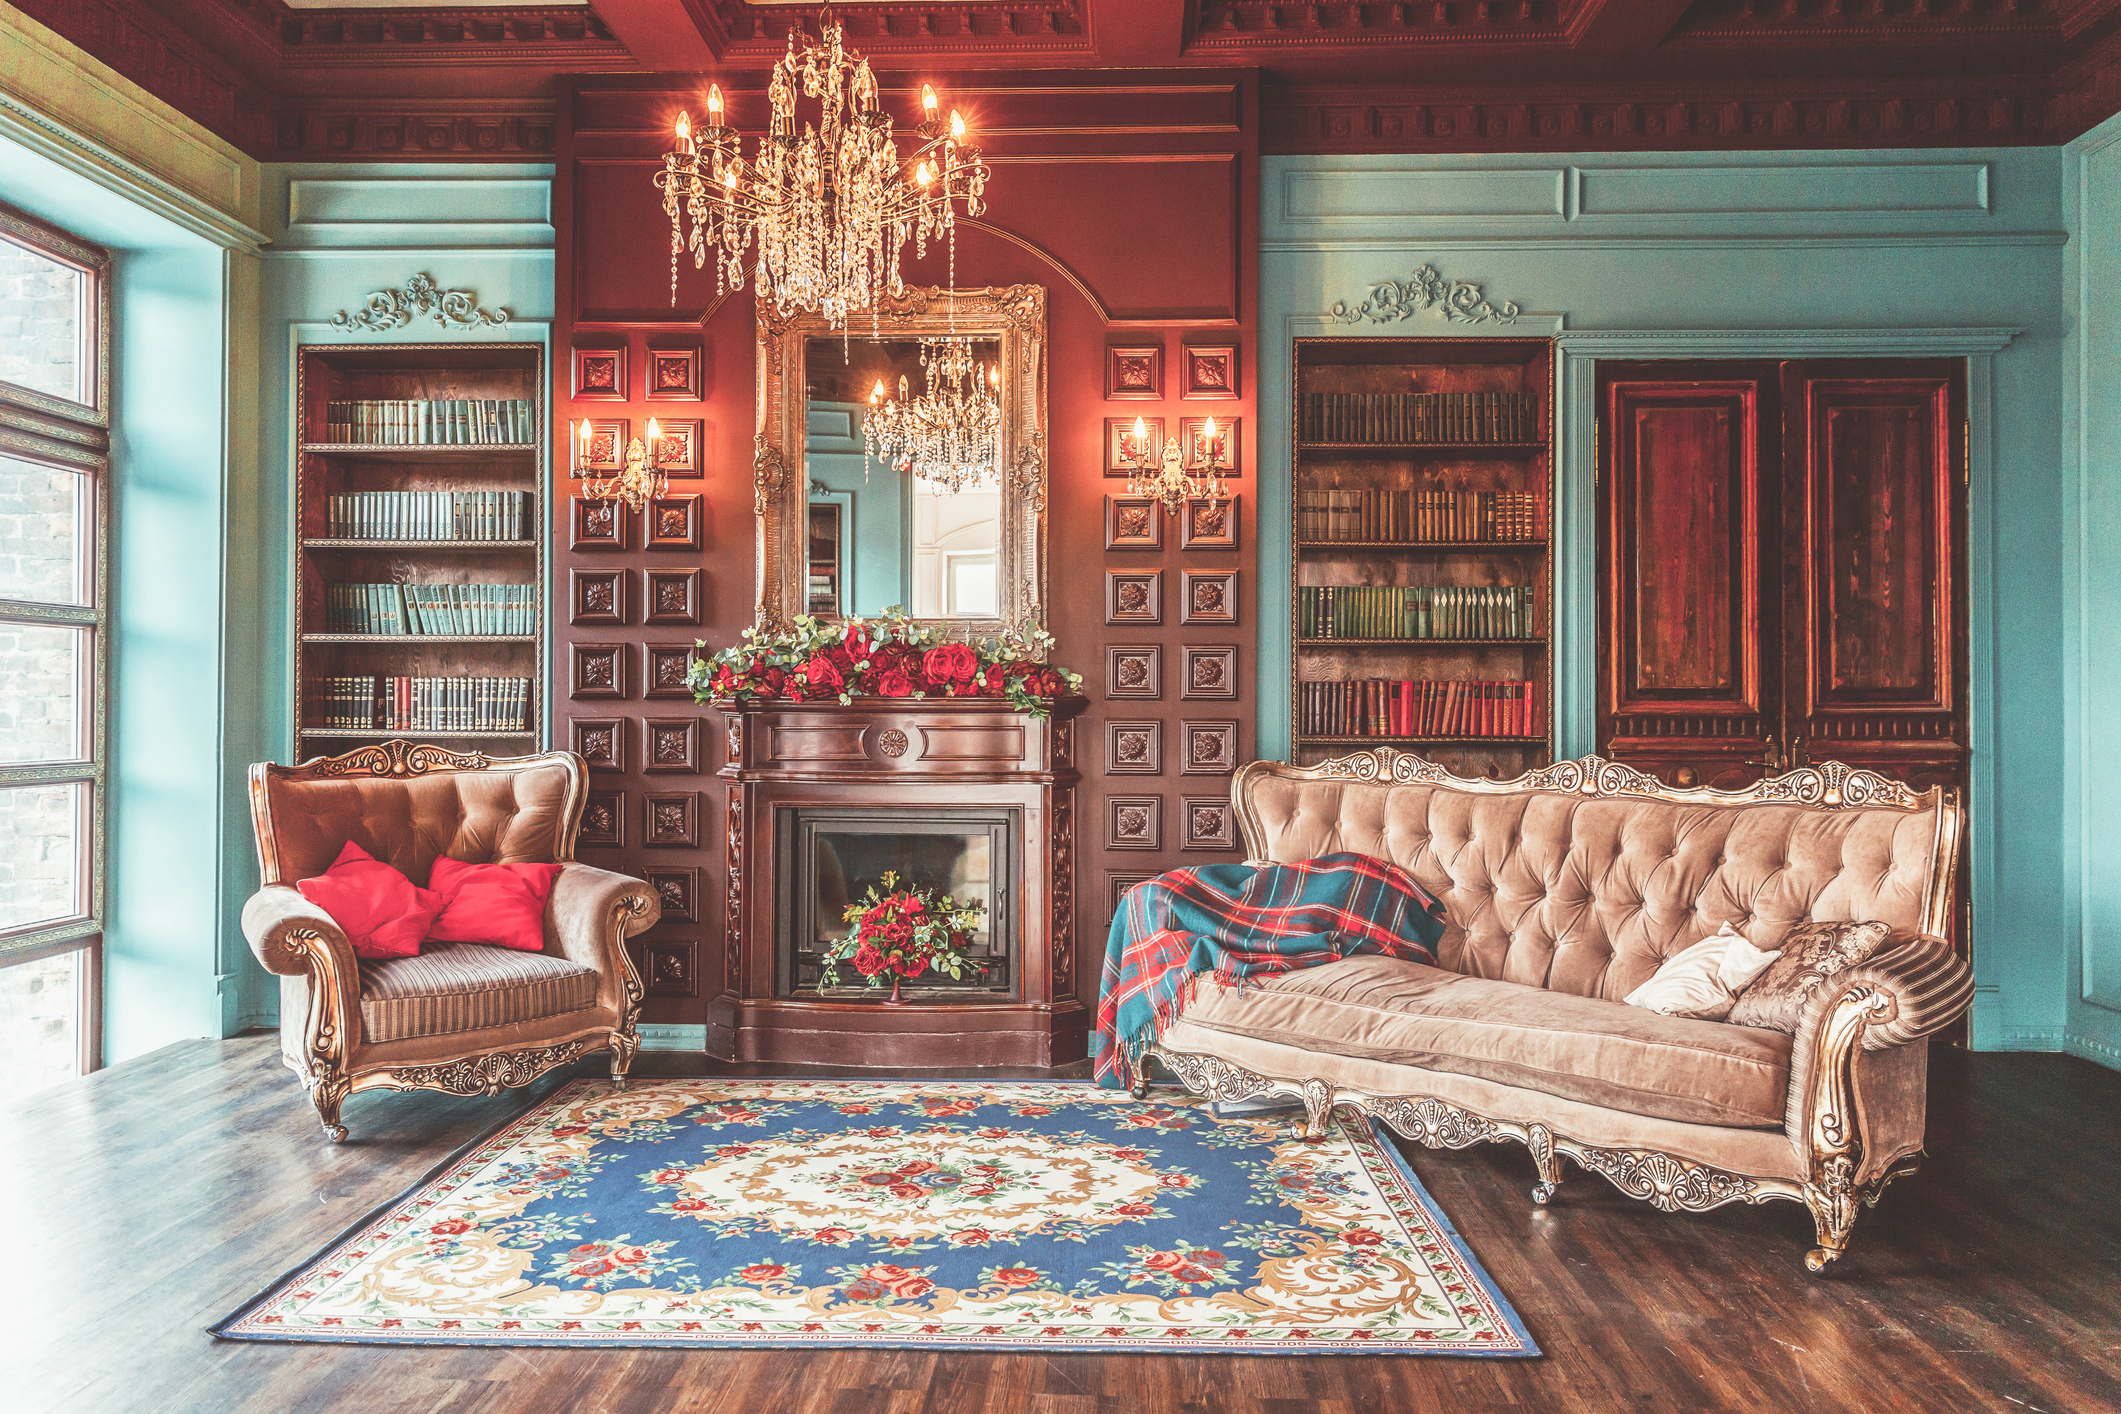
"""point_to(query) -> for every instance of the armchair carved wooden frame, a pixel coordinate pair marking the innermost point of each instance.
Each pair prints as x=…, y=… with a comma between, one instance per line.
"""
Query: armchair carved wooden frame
x=1844, y=1152
x=407, y=804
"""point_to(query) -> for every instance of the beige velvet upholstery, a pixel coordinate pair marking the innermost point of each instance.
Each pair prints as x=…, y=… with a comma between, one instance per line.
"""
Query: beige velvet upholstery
x=461, y=1017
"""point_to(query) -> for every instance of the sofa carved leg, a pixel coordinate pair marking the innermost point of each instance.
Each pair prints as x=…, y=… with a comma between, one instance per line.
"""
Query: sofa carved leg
x=1540, y=1140
x=1318, y=1107
x=623, y=1051
x=1833, y=1203
x=328, y=1095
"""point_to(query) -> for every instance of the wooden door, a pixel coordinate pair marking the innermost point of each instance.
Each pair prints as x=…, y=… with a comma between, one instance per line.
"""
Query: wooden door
x=1690, y=600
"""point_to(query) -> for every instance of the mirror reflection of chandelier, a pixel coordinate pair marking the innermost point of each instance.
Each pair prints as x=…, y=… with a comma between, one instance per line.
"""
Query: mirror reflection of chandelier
x=949, y=436
x=833, y=206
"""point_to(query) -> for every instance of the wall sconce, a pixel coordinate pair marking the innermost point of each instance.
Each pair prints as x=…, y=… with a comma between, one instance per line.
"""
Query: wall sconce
x=640, y=481
x=1171, y=483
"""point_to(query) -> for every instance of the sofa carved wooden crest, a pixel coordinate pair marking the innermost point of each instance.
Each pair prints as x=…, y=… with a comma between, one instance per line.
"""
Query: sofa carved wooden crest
x=461, y=1017
x=1566, y=889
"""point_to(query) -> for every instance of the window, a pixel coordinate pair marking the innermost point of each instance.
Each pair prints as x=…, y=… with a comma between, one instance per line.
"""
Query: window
x=54, y=466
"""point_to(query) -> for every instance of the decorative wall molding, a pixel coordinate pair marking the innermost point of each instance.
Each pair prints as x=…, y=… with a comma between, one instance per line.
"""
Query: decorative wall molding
x=1425, y=291
x=394, y=309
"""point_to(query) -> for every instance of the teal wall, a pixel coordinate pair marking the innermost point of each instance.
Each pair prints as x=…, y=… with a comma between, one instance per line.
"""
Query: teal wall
x=874, y=517
x=340, y=231
x=2091, y=530
x=184, y=684
x=1953, y=252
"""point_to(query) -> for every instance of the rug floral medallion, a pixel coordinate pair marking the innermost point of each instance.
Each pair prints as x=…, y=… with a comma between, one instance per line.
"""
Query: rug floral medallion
x=971, y=1214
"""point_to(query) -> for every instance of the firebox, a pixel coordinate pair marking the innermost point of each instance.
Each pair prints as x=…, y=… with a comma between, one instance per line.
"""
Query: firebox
x=832, y=856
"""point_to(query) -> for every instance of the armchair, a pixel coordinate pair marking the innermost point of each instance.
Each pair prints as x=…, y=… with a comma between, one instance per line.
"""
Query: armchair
x=461, y=1017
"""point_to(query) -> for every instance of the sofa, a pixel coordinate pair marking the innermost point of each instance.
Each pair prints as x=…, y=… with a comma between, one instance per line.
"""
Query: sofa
x=464, y=1018
x=1565, y=890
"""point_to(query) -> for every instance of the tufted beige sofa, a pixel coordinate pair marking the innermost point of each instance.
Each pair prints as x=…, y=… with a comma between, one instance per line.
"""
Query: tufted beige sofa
x=1565, y=890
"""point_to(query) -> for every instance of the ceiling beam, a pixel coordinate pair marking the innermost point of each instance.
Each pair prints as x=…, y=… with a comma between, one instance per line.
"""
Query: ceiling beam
x=668, y=36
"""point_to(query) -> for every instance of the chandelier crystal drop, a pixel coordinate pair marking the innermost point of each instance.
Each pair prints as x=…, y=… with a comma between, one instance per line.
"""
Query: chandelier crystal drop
x=832, y=205
x=950, y=435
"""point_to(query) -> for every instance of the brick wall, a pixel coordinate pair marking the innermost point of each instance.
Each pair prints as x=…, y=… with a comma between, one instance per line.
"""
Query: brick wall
x=39, y=322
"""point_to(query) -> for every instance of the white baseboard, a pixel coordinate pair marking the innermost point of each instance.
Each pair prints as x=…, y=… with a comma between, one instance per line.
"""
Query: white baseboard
x=2098, y=1051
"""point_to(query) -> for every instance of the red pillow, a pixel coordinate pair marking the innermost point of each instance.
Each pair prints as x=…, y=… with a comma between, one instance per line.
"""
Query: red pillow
x=383, y=913
x=503, y=904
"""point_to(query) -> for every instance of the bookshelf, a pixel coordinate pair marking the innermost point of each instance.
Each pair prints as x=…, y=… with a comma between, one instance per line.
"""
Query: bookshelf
x=1423, y=611
x=419, y=553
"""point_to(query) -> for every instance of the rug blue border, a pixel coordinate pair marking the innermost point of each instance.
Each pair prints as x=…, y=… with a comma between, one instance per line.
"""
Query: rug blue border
x=219, y=1330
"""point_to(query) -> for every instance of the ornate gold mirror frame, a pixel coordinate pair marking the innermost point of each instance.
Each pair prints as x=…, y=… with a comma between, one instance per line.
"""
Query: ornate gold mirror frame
x=1016, y=316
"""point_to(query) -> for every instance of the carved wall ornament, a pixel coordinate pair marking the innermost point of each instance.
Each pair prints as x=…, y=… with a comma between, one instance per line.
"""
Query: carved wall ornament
x=892, y=742
x=398, y=758
x=1453, y=301
x=394, y=309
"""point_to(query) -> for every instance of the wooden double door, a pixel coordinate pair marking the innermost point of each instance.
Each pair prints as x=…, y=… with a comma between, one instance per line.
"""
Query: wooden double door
x=1782, y=568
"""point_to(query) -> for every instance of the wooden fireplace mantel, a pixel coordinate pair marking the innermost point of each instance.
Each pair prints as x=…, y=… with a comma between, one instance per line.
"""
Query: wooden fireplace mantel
x=902, y=752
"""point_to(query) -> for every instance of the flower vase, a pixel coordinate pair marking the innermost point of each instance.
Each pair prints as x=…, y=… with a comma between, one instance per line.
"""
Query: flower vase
x=894, y=999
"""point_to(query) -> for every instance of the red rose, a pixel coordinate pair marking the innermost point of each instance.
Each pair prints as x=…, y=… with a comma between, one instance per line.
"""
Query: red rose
x=689, y=1205
x=592, y=1269
x=950, y=662
x=1164, y=1261
x=834, y=1236
x=912, y=967
x=1361, y=1237
x=763, y=1271
x=867, y=960
x=1017, y=1276
x=451, y=1228
x=908, y=1190
x=895, y=683
x=898, y=1281
x=768, y=680
x=854, y=636
x=1134, y=1210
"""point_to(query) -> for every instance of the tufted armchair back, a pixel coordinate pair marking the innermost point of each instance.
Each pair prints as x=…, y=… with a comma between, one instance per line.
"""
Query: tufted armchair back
x=409, y=804
x=1585, y=876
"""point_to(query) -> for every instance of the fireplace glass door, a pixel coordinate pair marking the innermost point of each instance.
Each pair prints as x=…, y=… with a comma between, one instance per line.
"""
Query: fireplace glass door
x=832, y=856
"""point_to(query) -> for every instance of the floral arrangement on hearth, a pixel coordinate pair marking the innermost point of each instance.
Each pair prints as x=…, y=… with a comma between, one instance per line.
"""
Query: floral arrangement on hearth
x=891, y=655
x=901, y=933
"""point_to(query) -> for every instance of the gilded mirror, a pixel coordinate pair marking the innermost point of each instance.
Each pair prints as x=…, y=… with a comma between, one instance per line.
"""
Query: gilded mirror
x=847, y=527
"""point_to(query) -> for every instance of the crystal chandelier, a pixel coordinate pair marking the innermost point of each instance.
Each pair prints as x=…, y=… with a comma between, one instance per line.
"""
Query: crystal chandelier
x=949, y=436
x=640, y=481
x=832, y=207
x=1170, y=482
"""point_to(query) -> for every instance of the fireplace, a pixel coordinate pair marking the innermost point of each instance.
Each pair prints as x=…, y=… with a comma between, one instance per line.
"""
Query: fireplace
x=966, y=794
x=834, y=855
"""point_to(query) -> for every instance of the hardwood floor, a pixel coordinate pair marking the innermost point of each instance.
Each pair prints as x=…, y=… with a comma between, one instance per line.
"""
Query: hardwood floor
x=161, y=1194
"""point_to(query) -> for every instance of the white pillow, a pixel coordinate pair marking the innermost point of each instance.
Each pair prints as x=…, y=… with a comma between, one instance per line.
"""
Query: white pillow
x=1704, y=981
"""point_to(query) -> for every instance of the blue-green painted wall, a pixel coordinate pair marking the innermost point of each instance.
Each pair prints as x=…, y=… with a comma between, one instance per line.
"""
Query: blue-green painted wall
x=339, y=232
x=1757, y=254
x=874, y=514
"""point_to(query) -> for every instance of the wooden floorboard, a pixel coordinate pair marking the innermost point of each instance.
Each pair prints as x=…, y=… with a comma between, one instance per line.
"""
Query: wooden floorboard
x=163, y=1193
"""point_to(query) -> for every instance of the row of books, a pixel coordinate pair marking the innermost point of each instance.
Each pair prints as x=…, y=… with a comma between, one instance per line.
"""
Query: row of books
x=432, y=422
x=1411, y=418
x=430, y=608
x=431, y=515
x=409, y=704
x=1416, y=611
x=1378, y=513
x=1423, y=707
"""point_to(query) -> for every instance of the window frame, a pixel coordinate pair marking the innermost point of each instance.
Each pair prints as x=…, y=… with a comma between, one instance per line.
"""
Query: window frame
x=72, y=435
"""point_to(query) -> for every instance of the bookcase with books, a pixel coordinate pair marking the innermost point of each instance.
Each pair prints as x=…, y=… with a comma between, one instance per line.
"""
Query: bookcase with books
x=419, y=554
x=1423, y=610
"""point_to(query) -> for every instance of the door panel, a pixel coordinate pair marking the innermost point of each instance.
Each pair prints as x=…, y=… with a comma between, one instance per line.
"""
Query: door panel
x=1683, y=596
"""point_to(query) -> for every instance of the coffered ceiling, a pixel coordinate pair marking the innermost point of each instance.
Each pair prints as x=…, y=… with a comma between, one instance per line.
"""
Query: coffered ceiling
x=307, y=79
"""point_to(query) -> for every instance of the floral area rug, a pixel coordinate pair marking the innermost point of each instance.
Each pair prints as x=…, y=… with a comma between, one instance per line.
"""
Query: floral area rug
x=952, y=1215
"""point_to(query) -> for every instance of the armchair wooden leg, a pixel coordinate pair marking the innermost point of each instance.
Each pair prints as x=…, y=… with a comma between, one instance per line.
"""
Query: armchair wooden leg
x=623, y=1050
x=1547, y=1161
x=1833, y=1205
x=1318, y=1107
x=328, y=1095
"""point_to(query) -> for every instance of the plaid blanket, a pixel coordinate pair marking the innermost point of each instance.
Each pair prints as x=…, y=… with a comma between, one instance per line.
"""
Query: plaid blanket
x=1238, y=921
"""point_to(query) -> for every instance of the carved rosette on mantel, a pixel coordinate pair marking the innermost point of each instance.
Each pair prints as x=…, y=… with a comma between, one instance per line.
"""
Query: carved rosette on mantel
x=876, y=761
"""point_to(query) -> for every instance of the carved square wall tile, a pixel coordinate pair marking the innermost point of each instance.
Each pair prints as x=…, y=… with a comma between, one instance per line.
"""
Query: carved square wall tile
x=603, y=819
x=600, y=596
x=1134, y=371
x=1207, y=672
x=666, y=663
x=1193, y=444
x=1209, y=822
x=1209, y=524
x=667, y=969
x=672, y=819
x=1116, y=886
x=1134, y=670
x=674, y=375
x=1121, y=444
x=598, y=525
x=600, y=374
x=599, y=741
x=1134, y=596
x=674, y=596
x=674, y=522
x=1207, y=747
x=677, y=451
x=1134, y=748
x=1210, y=370
x=679, y=889
x=672, y=746
x=1133, y=523
x=1134, y=822
x=596, y=670
x=1207, y=597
